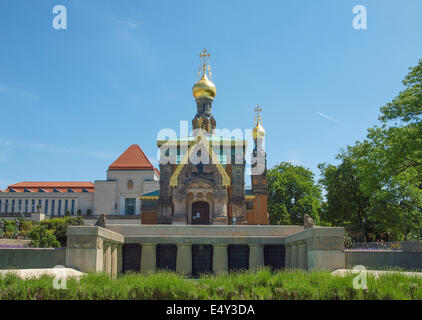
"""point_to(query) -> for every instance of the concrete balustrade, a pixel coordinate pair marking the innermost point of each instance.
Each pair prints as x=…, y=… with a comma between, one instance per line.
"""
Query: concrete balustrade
x=148, y=257
x=220, y=261
x=184, y=259
x=89, y=249
x=256, y=256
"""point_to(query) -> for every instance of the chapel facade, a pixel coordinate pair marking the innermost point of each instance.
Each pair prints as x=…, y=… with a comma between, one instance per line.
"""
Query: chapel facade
x=202, y=176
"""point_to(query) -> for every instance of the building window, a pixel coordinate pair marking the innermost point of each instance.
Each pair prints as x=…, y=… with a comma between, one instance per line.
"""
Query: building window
x=66, y=205
x=59, y=209
x=53, y=202
x=73, y=207
x=26, y=205
x=46, y=206
x=130, y=206
x=13, y=205
x=6, y=205
x=0, y=205
x=20, y=205
x=33, y=205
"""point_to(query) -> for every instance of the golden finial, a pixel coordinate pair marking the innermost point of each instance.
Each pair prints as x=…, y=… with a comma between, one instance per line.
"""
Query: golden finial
x=258, y=131
x=258, y=111
x=204, y=56
x=204, y=87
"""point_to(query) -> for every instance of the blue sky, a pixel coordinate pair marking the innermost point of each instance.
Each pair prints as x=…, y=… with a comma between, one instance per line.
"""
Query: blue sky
x=72, y=100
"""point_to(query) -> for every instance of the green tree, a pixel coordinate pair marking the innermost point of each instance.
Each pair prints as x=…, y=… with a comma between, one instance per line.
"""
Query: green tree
x=292, y=193
x=346, y=204
x=379, y=185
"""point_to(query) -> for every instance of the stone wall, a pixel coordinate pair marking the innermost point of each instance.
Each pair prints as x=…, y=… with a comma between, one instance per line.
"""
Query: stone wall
x=318, y=248
x=275, y=246
x=94, y=249
x=32, y=258
x=381, y=259
x=14, y=243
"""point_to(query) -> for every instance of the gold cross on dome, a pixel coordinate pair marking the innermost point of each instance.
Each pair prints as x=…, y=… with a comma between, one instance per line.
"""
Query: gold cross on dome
x=258, y=111
x=204, y=55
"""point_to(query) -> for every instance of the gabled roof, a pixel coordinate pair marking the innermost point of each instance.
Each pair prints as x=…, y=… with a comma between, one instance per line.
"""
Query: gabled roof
x=200, y=139
x=132, y=159
x=43, y=186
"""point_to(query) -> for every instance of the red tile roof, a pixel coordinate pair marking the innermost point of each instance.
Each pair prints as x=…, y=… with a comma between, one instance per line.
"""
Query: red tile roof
x=60, y=186
x=132, y=159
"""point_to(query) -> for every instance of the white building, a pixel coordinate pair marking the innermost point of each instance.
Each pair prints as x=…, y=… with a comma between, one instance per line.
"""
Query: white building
x=129, y=176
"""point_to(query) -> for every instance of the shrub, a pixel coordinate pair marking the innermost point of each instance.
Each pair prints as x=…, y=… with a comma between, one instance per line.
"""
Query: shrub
x=58, y=227
x=348, y=243
x=9, y=229
x=43, y=238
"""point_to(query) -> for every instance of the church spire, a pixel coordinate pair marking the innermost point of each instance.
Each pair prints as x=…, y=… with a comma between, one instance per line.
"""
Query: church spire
x=259, y=131
x=204, y=92
x=204, y=87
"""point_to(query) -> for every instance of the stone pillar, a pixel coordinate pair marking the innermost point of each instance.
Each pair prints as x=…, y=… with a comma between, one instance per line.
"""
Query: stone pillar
x=148, y=257
x=114, y=260
x=303, y=253
x=220, y=263
x=119, y=258
x=107, y=258
x=256, y=256
x=184, y=259
x=288, y=257
x=294, y=253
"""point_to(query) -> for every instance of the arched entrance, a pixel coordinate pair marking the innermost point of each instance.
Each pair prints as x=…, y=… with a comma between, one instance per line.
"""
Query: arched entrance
x=200, y=212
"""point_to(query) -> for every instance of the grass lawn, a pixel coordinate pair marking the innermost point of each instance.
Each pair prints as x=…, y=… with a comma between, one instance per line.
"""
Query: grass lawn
x=283, y=285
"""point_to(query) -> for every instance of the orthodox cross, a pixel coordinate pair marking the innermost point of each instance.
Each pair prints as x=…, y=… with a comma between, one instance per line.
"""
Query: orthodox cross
x=204, y=56
x=258, y=111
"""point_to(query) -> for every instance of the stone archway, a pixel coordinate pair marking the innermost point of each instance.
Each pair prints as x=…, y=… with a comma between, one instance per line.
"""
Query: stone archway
x=200, y=212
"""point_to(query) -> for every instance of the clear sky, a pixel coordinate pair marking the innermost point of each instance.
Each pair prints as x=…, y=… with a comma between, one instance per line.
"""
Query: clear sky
x=72, y=100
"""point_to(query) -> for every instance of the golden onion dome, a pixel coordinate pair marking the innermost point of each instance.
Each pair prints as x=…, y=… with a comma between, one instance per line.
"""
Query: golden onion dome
x=258, y=131
x=204, y=87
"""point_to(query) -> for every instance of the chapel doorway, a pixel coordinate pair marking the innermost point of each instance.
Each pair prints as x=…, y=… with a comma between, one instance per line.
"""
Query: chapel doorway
x=200, y=212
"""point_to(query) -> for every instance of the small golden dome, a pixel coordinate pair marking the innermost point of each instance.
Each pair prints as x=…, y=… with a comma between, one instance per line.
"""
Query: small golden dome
x=204, y=87
x=258, y=131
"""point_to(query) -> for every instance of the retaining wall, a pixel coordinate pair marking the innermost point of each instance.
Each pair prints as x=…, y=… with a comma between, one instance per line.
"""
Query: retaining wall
x=381, y=259
x=31, y=258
